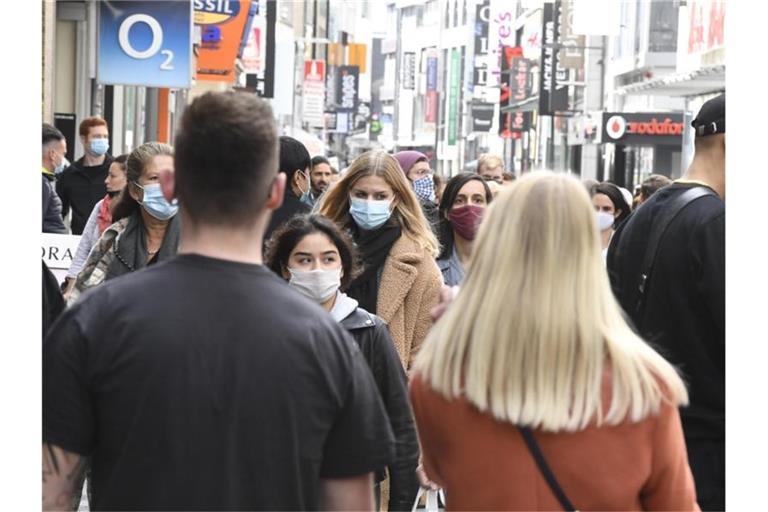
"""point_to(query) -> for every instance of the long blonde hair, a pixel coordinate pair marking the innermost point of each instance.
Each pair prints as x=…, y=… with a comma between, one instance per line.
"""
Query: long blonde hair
x=334, y=204
x=528, y=336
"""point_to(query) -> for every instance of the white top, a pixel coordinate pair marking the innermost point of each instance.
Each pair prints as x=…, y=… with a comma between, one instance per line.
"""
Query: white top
x=88, y=239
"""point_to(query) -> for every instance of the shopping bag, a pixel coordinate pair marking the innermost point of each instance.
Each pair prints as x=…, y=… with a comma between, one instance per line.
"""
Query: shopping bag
x=433, y=502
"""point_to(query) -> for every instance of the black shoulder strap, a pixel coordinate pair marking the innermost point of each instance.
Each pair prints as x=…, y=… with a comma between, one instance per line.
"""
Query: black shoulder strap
x=657, y=233
x=533, y=447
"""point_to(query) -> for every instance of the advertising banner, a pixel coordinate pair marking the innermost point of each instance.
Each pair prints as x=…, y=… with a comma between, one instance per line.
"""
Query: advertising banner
x=553, y=93
x=501, y=33
x=222, y=24
x=520, y=81
x=661, y=128
x=453, y=97
x=430, y=99
x=520, y=121
x=347, y=88
x=480, y=67
x=145, y=43
x=314, y=93
x=571, y=55
x=254, y=53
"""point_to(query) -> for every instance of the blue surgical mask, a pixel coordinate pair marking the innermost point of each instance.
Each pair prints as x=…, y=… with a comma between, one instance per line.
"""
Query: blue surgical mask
x=99, y=146
x=369, y=214
x=155, y=204
x=63, y=165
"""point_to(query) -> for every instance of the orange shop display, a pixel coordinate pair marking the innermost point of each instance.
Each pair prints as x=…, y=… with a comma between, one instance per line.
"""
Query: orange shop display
x=221, y=24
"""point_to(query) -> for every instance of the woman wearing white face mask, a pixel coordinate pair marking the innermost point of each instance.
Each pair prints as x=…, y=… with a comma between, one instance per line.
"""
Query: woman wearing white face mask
x=400, y=281
x=145, y=229
x=318, y=260
x=610, y=209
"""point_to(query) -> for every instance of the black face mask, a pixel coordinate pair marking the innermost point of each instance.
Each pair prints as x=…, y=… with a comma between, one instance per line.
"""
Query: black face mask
x=113, y=194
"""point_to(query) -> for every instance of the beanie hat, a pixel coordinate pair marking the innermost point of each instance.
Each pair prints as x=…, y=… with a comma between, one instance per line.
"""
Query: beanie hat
x=406, y=159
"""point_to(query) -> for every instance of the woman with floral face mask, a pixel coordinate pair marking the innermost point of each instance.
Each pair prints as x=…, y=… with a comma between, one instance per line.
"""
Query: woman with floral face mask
x=145, y=229
x=319, y=261
x=400, y=281
x=464, y=201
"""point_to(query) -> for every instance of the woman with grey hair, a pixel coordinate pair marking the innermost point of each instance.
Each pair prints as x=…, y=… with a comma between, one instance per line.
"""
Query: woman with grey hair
x=145, y=229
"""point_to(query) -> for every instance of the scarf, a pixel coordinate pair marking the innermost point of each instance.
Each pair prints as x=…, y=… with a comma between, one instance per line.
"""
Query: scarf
x=374, y=247
x=131, y=247
x=104, y=218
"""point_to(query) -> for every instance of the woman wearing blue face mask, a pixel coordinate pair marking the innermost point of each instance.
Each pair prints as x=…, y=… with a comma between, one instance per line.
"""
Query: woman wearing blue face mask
x=145, y=229
x=319, y=261
x=400, y=281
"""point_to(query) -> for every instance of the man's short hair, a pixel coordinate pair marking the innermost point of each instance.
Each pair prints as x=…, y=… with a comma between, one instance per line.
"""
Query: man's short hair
x=488, y=160
x=653, y=183
x=320, y=159
x=51, y=133
x=293, y=156
x=90, y=122
x=226, y=158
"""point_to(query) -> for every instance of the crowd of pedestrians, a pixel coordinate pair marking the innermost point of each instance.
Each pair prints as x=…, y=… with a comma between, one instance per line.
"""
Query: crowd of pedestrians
x=246, y=327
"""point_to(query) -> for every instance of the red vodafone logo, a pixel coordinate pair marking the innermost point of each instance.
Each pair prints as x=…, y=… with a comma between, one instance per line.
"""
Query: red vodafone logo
x=616, y=127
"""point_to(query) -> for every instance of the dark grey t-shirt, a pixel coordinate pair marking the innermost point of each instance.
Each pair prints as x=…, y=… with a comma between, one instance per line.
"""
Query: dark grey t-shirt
x=209, y=384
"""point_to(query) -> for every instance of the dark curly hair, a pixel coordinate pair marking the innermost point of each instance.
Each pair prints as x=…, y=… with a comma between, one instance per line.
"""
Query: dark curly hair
x=287, y=237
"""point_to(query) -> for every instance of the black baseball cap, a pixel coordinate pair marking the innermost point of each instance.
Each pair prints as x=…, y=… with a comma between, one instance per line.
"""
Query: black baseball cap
x=711, y=118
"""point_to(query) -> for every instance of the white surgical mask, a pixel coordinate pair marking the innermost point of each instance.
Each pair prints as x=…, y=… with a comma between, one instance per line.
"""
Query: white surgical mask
x=604, y=220
x=318, y=285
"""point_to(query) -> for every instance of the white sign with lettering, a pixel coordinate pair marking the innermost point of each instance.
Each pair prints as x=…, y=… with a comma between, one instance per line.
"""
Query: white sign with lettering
x=58, y=252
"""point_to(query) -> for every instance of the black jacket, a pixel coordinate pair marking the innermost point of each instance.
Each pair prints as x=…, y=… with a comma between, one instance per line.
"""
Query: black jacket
x=372, y=336
x=52, y=221
x=291, y=206
x=80, y=188
x=53, y=302
x=431, y=212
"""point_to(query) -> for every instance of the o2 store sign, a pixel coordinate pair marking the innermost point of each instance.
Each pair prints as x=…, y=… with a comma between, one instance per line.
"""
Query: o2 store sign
x=664, y=128
x=147, y=43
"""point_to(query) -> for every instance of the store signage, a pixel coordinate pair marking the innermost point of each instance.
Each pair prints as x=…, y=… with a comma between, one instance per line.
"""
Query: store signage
x=501, y=33
x=314, y=93
x=553, y=92
x=480, y=75
x=519, y=80
x=254, y=53
x=222, y=23
x=482, y=116
x=409, y=70
x=453, y=97
x=347, y=87
x=572, y=53
x=58, y=252
x=643, y=128
x=520, y=121
x=145, y=43
x=430, y=99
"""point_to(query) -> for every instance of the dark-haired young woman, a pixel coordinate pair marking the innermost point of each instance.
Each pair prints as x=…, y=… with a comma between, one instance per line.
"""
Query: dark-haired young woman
x=461, y=209
x=610, y=209
x=318, y=260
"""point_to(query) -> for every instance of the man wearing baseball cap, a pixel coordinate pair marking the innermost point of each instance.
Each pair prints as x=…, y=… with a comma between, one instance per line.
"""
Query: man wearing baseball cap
x=667, y=270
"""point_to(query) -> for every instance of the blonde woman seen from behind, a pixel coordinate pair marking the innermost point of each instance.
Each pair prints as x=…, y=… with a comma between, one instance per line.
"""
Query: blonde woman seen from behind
x=539, y=342
x=400, y=281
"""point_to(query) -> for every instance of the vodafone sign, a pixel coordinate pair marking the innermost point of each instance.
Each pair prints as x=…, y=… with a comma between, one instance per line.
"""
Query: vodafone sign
x=663, y=128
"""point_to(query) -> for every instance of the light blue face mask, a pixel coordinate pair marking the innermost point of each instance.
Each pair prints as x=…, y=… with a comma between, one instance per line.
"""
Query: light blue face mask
x=99, y=146
x=63, y=165
x=369, y=214
x=155, y=204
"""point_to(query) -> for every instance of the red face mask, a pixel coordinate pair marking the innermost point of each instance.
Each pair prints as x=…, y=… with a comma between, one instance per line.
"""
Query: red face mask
x=466, y=219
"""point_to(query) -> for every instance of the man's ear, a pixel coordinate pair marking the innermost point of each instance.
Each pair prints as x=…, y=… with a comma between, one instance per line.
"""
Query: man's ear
x=167, y=184
x=276, y=192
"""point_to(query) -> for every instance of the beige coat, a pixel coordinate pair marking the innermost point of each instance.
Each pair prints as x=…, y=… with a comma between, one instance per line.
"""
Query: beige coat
x=409, y=289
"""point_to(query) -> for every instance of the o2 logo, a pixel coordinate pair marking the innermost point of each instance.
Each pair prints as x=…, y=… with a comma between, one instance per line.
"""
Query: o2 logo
x=157, y=40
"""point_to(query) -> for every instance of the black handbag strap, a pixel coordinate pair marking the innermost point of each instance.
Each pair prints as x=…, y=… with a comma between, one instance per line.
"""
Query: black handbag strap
x=546, y=472
x=657, y=233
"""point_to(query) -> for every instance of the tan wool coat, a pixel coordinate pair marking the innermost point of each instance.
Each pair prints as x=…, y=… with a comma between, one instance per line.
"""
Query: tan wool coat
x=409, y=289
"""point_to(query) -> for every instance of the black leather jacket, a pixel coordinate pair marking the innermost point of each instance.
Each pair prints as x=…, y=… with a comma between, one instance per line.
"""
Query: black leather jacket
x=372, y=336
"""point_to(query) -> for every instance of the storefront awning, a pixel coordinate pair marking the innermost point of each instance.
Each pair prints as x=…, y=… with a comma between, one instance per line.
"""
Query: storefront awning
x=694, y=83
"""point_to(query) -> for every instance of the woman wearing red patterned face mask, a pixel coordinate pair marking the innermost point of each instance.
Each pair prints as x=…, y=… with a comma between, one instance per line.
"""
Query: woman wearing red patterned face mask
x=461, y=210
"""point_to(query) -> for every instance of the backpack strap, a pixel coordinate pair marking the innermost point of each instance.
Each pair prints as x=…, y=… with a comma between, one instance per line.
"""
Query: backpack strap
x=546, y=472
x=658, y=230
